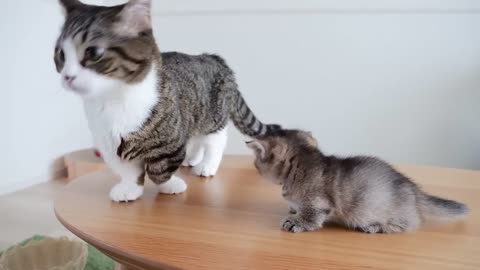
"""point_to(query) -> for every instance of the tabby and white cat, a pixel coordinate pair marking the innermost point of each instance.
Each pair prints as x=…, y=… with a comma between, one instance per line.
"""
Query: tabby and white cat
x=359, y=192
x=148, y=111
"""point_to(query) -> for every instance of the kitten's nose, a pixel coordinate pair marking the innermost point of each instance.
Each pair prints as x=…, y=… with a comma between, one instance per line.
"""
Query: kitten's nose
x=69, y=79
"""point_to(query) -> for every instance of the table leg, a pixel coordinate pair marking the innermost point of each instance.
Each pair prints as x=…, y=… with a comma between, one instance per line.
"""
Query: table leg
x=119, y=266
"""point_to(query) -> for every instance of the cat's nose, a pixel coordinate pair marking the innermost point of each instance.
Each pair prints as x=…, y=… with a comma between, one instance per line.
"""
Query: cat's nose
x=68, y=78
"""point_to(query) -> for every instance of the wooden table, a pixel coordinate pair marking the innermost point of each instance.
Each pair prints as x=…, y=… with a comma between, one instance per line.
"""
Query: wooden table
x=82, y=162
x=232, y=222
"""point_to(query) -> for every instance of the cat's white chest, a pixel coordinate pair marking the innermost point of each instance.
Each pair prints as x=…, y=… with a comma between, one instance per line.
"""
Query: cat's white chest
x=108, y=122
x=120, y=113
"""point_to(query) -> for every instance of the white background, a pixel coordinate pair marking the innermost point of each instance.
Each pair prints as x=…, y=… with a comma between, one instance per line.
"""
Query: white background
x=397, y=79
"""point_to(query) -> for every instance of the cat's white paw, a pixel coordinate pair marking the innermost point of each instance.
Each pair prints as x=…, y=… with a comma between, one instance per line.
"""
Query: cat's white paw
x=126, y=191
x=193, y=158
x=206, y=168
x=206, y=161
x=173, y=186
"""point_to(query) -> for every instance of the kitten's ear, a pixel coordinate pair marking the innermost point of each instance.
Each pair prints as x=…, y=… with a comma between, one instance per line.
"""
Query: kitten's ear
x=135, y=18
x=257, y=147
x=69, y=5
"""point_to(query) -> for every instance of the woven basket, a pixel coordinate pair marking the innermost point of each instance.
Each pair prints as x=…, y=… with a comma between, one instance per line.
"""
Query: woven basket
x=47, y=254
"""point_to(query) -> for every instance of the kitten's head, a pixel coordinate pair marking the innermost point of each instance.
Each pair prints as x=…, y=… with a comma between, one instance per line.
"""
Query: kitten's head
x=101, y=49
x=272, y=151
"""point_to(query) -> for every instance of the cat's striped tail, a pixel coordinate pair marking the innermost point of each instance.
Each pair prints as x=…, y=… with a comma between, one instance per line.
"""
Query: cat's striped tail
x=244, y=119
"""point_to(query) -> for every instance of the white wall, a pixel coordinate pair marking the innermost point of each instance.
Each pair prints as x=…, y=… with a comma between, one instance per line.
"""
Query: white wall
x=398, y=79
x=39, y=122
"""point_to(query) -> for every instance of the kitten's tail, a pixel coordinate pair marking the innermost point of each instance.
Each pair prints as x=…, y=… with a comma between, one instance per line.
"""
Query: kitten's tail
x=432, y=207
x=244, y=119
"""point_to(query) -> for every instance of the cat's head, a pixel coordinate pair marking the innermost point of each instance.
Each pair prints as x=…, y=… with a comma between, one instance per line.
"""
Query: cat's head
x=102, y=49
x=273, y=152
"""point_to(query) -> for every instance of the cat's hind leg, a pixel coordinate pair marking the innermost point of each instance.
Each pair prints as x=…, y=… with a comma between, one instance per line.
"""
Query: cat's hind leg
x=393, y=225
x=406, y=219
x=398, y=225
x=212, y=146
x=195, y=152
x=372, y=228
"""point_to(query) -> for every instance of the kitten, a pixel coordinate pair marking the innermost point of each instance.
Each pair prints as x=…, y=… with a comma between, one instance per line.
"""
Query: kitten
x=359, y=192
x=148, y=112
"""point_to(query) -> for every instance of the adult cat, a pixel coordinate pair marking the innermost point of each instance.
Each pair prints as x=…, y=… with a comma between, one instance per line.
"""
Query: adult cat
x=148, y=111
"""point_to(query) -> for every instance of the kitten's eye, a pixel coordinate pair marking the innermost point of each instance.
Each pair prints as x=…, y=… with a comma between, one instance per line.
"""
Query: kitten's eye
x=93, y=54
x=61, y=55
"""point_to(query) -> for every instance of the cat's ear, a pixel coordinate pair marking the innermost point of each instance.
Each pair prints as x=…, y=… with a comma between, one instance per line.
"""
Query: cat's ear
x=258, y=148
x=69, y=5
x=135, y=18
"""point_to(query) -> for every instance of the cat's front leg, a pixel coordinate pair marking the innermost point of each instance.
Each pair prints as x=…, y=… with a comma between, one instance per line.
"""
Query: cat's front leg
x=292, y=208
x=161, y=168
x=308, y=218
x=132, y=176
x=131, y=148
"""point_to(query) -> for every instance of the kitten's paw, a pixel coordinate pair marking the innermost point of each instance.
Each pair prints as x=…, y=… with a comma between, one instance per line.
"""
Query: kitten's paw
x=126, y=191
x=293, y=224
x=173, y=186
x=373, y=228
x=206, y=168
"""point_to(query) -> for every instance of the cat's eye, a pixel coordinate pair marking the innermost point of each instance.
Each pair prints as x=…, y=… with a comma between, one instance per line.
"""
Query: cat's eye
x=93, y=54
x=61, y=55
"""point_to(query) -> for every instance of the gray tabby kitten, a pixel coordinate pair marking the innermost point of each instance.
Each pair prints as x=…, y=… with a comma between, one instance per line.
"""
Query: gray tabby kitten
x=148, y=111
x=359, y=192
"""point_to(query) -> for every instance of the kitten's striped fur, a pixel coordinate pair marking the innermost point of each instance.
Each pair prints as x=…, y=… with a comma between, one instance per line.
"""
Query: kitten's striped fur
x=197, y=95
x=359, y=192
